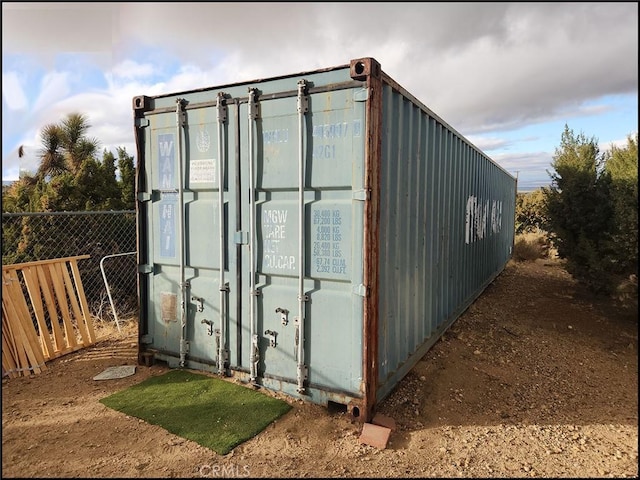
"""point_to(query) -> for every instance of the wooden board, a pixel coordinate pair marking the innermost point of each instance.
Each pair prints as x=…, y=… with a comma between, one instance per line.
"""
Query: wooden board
x=28, y=341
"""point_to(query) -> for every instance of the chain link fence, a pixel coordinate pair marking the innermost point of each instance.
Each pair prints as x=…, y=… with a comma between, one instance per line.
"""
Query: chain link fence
x=109, y=238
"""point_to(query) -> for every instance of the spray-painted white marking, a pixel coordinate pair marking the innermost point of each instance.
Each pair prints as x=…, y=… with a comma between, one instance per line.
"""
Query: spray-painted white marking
x=478, y=211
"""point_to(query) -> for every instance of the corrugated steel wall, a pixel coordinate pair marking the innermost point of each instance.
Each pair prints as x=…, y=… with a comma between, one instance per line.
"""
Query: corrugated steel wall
x=446, y=230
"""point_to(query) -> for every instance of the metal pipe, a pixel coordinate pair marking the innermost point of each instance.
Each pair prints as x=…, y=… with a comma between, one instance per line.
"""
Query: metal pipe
x=303, y=107
x=106, y=284
x=183, y=283
x=254, y=354
x=222, y=117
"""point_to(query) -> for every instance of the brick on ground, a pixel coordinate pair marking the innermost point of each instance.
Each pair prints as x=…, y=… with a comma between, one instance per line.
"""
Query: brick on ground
x=375, y=435
x=384, y=421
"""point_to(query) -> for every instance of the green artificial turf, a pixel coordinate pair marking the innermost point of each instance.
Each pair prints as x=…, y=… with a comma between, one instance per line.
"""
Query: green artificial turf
x=212, y=412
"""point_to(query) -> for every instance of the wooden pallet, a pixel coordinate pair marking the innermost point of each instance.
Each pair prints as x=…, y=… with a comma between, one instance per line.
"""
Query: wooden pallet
x=44, y=314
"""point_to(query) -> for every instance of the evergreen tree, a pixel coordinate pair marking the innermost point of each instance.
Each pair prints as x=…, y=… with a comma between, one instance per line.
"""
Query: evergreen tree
x=127, y=182
x=530, y=216
x=580, y=212
x=622, y=167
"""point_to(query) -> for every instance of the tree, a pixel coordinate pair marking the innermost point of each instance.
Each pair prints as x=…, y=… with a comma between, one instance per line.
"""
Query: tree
x=76, y=146
x=622, y=167
x=127, y=181
x=530, y=215
x=580, y=212
x=69, y=178
x=110, y=188
x=52, y=161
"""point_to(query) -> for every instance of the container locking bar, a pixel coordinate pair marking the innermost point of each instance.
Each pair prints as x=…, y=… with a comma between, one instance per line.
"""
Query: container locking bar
x=222, y=361
x=221, y=111
x=184, y=344
x=303, y=108
x=254, y=354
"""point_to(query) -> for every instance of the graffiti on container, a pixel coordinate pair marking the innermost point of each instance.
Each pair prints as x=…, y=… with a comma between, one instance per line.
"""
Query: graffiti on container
x=483, y=218
x=327, y=247
x=166, y=160
x=274, y=230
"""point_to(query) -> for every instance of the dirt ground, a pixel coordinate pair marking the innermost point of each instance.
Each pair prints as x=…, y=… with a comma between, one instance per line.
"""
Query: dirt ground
x=536, y=379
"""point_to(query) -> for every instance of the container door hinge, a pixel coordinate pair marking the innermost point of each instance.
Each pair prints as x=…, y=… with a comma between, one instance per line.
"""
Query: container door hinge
x=363, y=195
x=360, y=290
x=181, y=119
x=144, y=197
x=303, y=98
x=142, y=122
x=221, y=108
x=361, y=95
x=303, y=372
x=241, y=238
x=254, y=110
x=145, y=268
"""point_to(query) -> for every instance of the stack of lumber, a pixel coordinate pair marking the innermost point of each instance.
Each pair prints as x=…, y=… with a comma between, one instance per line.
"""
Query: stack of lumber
x=44, y=314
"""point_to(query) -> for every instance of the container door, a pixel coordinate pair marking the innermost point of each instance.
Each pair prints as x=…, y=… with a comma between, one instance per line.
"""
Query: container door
x=303, y=226
x=192, y=280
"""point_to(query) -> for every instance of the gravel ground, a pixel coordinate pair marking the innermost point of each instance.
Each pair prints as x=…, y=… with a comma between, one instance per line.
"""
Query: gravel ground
x=536, y=379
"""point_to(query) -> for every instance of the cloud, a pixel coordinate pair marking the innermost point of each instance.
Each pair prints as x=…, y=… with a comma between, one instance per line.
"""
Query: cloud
x=67, y=27
x=129, y=70
x=487, y=69
x=54, y=87
x=487, y=144
x=12, y=92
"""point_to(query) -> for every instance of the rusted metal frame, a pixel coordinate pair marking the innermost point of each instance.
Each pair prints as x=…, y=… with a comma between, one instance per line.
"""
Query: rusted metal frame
x=369, y=69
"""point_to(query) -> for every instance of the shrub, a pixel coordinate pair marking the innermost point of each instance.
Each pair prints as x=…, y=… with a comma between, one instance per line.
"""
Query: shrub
x=531, y=246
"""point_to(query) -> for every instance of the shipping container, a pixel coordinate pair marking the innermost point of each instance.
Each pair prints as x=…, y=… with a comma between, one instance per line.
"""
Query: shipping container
x=313, y=233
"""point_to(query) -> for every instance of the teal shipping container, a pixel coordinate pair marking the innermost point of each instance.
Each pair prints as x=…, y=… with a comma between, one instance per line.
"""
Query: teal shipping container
x=313, y=233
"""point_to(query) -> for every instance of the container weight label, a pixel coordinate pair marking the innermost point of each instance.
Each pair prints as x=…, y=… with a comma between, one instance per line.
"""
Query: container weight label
x=328, y=244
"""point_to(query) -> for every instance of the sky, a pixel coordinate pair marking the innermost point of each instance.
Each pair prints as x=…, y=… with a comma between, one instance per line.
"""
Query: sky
x=507, y=76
